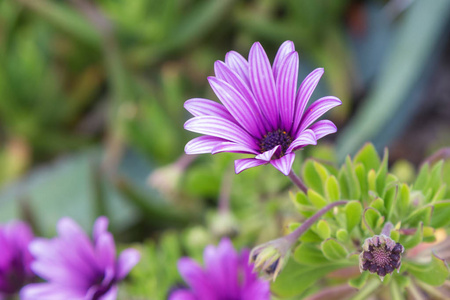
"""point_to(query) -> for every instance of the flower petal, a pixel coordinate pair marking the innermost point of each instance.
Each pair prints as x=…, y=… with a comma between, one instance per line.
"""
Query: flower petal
x=202, y=144
x=220, y=128
x=246, y=163
x=287, y=86
x=111, y=294
x=126, y=261
x=238, y=64
x=233, y=148
x=284, y=164
x=307, y=137
x=48, y=291
x=267, y=156
x=317, y=109
x=285, y=49
x=323, y=128
x=182, y=294
x=244, y=111
x=204, y=107
x=304, y=93
x=263, y=84
x=194, y=276
x=105, y=250
x=100, y=227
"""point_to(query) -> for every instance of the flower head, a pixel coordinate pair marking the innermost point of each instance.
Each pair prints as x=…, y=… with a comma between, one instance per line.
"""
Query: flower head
x=380, y=255
x=77, y=267
x=262, y=113
x=226, y=275
x=15, y=258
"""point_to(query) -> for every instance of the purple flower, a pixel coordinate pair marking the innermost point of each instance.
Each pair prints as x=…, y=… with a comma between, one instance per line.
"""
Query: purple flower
x=262, y=114
x=15, y=259
x=227, y=275
x=76, y=267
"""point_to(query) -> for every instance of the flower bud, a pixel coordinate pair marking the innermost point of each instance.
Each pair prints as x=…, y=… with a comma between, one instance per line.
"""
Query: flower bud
x=271, y=257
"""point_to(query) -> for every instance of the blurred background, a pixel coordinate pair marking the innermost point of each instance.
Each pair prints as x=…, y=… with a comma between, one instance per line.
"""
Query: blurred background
x=91, y=110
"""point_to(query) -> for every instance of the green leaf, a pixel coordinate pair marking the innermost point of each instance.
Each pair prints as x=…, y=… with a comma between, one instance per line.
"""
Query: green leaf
x=312, y=179
x=381, y=174
x=403, y=201
x=353, y=212
x=354, y=185
x=343, y=183
x=333, y=250
x=371, y=217
x=435, y=180
x=342, y=235
x=368, y=156
x=361, y=174
x=378, y=204
x=323, y=229
x=309, y=254
x=296, y=279
x=422, y=178
x=332, y=190
x=418, y=215
x=441, y=213
x=433, y=273
x=321, y=171
x=359, y=281
x=411, y=241
x=390, y=201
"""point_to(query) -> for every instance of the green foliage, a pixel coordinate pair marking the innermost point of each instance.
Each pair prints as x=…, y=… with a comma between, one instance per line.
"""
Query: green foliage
x=376, y=197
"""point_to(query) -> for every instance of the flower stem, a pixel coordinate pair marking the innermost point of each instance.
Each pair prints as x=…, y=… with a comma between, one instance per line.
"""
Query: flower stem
x=387, y=229
x=293, y=236
x=298, y=182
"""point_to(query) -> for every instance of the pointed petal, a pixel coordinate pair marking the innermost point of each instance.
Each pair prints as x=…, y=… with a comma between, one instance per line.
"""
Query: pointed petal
x=323, y=128
x=246, y=163
x=106, y=251
x=224, y=73
x=238, y=64
x=304, y=93
x=287, y=86
x=126, y=261
x=263, y=84
x=202, y=144
x=284, y=164
x=267, y=156
x=307, y=137
x=195, y=277
x=220, y=128
x=243, y=111
x=100, y=227
x=317, y=109
x=285, y=48
x=204, y=107
x=233, y=148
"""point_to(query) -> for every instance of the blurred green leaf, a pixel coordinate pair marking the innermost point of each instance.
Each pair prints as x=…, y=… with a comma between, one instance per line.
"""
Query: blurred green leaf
x=434, y=273
x=353, y=213
x=333, y=250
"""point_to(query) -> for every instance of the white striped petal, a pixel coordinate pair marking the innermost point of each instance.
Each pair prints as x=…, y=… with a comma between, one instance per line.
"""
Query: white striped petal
x=285, y=49
x=306, y=137
x=304, y=93
x=284, y=164
x=246, y=163
x=205, y=107
x=267, y=156
x=263, y=84
x=243, y=111
x=233, y=148
x=287, y=86
x=323, y=128
x=317, y=109
x=202, y=144
x=221, y=128
x=238, y=64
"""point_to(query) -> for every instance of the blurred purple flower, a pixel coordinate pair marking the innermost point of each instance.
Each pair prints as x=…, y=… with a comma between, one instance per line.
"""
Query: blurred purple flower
x=15, y=259
x=227, y=275
x=77, y=268
x=262, y=114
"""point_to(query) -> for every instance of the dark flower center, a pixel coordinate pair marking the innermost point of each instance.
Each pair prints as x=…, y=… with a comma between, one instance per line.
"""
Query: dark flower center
x=381, y=259
x=273, y=139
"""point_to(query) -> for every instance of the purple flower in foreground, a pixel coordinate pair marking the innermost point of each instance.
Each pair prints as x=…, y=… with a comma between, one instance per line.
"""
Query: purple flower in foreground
x=262, y=114
x=227, y=275
x=76, y=267
x=15, y=258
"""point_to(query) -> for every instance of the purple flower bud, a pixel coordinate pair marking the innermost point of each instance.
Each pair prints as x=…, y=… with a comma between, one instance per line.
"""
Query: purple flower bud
x=380, y=255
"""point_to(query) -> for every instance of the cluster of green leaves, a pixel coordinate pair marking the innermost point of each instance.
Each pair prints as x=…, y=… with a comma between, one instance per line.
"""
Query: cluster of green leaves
x=375, y=197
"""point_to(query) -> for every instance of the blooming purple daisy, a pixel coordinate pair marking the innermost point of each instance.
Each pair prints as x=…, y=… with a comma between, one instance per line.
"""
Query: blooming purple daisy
x=227, y=275
x=15, y=259
x=262, y=113
x=76, y=267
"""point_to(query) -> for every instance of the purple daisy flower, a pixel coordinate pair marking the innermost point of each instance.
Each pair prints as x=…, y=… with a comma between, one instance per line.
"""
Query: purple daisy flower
x=227, y=275
x=262, y=113
x=76, y=267
x=15, y=259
